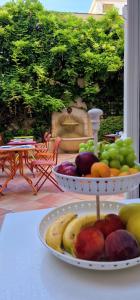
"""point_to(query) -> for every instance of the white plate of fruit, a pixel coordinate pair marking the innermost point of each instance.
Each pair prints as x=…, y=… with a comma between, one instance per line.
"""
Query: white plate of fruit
x=73, y=234
x=112, y=170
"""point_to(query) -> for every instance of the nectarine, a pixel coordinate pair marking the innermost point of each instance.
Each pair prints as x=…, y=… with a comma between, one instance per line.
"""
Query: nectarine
x=114, y=172
x=100, y=169
x=89, y=244
x=110, y=223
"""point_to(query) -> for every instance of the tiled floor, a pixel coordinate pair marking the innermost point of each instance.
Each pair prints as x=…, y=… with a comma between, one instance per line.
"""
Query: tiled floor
x=18, y=195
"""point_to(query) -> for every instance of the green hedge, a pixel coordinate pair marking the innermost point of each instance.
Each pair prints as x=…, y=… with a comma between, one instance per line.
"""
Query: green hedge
x=110, y=125
x=49, y=59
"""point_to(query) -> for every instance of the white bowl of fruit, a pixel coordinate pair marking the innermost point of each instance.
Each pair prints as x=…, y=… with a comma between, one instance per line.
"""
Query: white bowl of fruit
x=112, y=170
x=73, y=233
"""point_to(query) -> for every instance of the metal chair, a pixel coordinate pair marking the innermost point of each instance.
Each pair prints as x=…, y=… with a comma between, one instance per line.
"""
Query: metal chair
x=42, y=148
x=4, y=157
x=46, y=164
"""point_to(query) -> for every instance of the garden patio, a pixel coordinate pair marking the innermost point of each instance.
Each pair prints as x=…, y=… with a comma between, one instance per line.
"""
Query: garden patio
x=18, y=195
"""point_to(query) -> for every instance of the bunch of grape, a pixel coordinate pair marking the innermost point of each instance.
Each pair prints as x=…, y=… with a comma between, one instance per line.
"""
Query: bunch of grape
x=118, y=154
x=87, y=147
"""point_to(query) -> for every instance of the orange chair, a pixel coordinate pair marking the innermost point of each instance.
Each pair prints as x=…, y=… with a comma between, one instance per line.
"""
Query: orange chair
x=46, y=164
x=4, y=157
x=42, y=148
x=46, y=135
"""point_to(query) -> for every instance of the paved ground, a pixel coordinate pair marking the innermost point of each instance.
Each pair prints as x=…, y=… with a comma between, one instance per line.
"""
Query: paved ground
x=18, y=195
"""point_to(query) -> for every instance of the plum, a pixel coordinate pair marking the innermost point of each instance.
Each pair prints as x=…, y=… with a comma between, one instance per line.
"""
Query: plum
x=121, y=245
x=89, y=244
x=67, y=168
x=110, y=223
x=70, y=171
x=64, y=165
x=84, y=161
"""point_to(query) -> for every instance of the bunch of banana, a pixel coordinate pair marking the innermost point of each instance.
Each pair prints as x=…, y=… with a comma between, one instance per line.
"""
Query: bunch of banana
x=55, y=231
x=62, y=233
x=73, y=228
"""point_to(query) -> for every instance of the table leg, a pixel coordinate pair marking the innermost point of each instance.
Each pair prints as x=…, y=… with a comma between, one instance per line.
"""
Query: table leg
x=21, y=171
x=12, y=171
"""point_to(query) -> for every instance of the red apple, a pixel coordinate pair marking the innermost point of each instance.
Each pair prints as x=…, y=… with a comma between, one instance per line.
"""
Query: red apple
x=84, y=161
x=121, y=245
x=89, y=244
x=110, y=223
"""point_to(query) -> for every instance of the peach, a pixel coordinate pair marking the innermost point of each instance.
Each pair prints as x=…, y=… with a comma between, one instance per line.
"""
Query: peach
x=133, y=171
x=88, y=176
x=114, y=172
x=89, y=244
x=124, y=174
x=100, y=169
x=110, y=223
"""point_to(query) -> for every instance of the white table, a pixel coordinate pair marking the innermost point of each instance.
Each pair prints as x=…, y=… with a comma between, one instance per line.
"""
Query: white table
x=29, y=272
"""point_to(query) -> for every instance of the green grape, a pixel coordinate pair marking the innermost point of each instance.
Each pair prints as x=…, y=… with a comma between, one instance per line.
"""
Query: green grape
x=88, y=148
x=123, y=151
x=119, y=142
x=113, y=153
x=91, y=149
x=105, y=155
x=90, y=142
x=106, y=147
x=124, y=168
x=121, y=158
x=130, y=150
x=82, y=145
x=128, y=141
x=115, y=164
x=82, y=150
x=112, y=146
x=130, y=159
x=99, y=147
x=105, y=161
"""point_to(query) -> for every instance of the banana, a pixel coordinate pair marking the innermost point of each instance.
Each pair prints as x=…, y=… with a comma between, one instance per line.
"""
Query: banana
x=73, y=228
x=55, y=231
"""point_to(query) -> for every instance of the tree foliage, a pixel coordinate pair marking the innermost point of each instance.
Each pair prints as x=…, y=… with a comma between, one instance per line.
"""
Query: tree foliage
x=44, y=54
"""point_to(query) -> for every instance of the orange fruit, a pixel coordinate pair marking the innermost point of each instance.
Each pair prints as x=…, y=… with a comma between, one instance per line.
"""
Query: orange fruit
x=133, y=171
x=88, y=175
x=124, y=174
x=100, y=169
x=114, y=172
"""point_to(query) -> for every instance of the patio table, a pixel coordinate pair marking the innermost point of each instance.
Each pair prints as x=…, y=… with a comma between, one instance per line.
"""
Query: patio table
x=29, y=271
x=21, y=143
x=17, y=164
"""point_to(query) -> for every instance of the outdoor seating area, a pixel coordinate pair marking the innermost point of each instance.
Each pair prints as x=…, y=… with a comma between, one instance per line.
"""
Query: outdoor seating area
x=19, y=155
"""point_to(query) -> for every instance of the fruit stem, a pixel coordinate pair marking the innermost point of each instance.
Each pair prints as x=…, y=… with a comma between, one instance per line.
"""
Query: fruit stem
x=98, y=207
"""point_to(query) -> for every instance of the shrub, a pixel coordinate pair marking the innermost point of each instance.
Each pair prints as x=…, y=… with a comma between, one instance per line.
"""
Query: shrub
x=45, y=56
x=110, y=125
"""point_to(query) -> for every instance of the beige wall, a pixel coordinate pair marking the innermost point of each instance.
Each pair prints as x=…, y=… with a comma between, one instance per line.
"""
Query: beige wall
x=86, y=15
x=97, y=6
